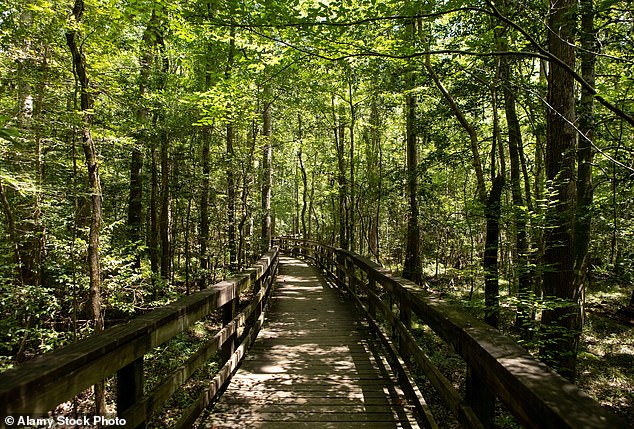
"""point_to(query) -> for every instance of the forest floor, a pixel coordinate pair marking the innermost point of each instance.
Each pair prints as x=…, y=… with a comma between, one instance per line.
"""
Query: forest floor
x=606, y=352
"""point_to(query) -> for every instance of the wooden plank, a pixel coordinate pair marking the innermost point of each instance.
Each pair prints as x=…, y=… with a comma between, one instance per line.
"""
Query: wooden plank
x=311, y=363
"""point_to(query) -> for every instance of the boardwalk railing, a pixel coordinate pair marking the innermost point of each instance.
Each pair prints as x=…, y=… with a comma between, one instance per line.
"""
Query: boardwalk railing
x=496, y=366
x=38, y=386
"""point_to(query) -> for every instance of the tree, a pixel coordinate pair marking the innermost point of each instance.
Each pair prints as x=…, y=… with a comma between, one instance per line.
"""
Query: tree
x=94, y=183
x=562, y=323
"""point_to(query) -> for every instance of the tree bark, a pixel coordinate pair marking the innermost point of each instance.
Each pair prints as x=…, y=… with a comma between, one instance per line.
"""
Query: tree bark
x=165, y=222
x=94, y=183
x=352, y=204
x=339, y=134
x=562, y=323
x=150, y=41
x=374, y=178
x=231, y=189
x=302, y=170
x=267, y=178
x=523, y=314
x=204, y=212
x=412, y=269
x=585, y=153
x=490, y=263
x=153, y=240
x=135, y=201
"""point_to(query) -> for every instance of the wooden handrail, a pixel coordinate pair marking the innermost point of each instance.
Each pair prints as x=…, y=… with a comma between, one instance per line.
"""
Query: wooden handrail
x=497, y=365
x=36, y=387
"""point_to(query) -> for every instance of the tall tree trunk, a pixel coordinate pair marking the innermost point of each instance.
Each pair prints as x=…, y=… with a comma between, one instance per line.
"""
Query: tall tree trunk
x=352, y=205
x=153, y=239
x=135, y=201
x=231, y=188
x=492, y=212
x=302, y=170
x=523, y=315
x=585, y=153
x=339, y=134
x=186, y=230
x=94, y=183
x=204, y=212
x=561, y=324
x=412, y=268
x=374, y=178
x=267, y=177
x=150, y=41
x=166, y=215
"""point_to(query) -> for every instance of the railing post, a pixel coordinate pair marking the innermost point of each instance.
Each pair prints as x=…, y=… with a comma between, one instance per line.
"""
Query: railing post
x=480, y=398
x=405, y=316
x=130, y=386
x=352, y=284
x=341, y=276
x=371, y=288
x=228, y=313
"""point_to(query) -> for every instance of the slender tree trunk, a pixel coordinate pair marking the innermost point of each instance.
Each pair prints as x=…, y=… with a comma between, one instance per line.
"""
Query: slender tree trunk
x=267, y=177
x=492, y=213
x=187, y=251
x=311, y=199
x=412, y=269
x=561, y=324
x=204, y=212
x=585, y=153
x=304, y=194
x=352, y=205
x=339, y=133
x=154, y=223
x=94, y=184
x=231, y=190
x=523, y=315
x=135, y=201
x=374, y=178
x=166, y=215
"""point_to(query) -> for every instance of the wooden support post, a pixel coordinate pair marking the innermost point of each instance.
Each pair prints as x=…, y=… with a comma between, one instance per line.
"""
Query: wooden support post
x=480, y=398
x=130, y=386
x=371, y=304
x=341, y=276
x=405, y=316
x=228, y=313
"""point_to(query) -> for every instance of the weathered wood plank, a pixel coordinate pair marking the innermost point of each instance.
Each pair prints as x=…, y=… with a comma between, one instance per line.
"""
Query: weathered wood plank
x=310, y=364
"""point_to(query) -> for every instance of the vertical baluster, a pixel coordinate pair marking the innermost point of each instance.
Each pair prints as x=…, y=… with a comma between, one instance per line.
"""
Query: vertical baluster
x=480, y=398
x=228, y=313
x=130, y=387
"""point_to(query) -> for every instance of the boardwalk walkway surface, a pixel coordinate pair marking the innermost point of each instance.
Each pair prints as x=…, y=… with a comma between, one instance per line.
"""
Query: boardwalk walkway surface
x=314, y=365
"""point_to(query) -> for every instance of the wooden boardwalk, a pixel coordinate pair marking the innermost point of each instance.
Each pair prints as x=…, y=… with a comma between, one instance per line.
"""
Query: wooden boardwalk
x=314, y=365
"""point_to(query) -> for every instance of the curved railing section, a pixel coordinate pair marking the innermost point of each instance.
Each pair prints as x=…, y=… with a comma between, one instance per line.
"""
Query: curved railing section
x=496, y=366
x=38, y=386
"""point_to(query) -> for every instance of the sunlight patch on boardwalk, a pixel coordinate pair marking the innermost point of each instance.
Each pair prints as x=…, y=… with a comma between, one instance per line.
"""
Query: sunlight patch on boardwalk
x=314, y=365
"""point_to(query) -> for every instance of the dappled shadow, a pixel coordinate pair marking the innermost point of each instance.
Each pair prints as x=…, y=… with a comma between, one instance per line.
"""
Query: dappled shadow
x=314, y=364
